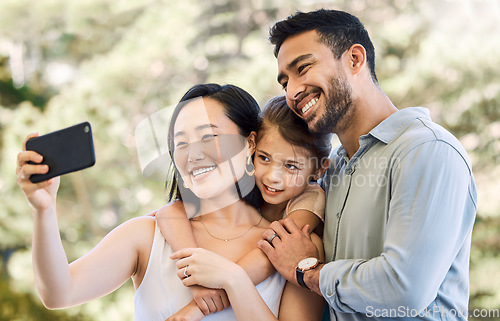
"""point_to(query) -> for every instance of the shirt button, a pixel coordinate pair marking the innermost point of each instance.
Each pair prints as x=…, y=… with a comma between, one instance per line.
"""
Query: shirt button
x=349, y=171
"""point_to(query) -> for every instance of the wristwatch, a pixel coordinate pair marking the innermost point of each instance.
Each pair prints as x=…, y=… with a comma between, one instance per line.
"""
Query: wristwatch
x=303, y=266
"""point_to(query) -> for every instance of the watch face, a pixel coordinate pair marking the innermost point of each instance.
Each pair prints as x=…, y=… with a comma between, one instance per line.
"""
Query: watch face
x=307, y=263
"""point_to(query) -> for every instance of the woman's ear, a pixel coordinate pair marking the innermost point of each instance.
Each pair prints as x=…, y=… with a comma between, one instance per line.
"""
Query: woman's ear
x=251, y=139
x=320, y=171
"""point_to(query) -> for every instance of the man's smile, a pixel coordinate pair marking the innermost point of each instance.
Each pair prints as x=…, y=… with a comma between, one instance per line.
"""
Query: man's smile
x=303, y=105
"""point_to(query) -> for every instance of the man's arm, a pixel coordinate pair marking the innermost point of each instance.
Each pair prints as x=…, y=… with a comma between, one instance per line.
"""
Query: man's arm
x=427, y=226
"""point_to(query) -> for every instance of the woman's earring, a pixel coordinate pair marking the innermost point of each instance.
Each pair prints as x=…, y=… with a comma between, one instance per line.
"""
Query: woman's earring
x=184, y=185
x=249, y=168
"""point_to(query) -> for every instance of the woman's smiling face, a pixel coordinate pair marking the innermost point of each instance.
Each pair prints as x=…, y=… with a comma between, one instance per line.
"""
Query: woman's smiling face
x=206, y=145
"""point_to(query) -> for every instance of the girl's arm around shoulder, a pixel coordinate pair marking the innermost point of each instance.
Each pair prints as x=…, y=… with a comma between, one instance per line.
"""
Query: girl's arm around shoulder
x=256, y=265
x=175, y=226
x=305, y=209
x=213, y=270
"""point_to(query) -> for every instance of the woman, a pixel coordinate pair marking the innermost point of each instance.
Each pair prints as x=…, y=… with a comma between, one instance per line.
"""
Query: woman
x=214, y=180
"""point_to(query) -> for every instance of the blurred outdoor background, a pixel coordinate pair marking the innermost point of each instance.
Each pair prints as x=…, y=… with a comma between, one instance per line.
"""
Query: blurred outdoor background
x=113, y=63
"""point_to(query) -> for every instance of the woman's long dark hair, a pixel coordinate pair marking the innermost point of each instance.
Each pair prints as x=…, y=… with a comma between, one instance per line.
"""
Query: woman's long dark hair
x=241, y=108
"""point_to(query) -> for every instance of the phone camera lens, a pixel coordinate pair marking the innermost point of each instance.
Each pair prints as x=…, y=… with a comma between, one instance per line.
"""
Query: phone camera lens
x=86, y=129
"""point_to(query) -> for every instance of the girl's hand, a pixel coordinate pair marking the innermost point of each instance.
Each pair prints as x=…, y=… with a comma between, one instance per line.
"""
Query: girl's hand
x=191, y=312
x=40, y=196
x=209, y=300
x=206, y=268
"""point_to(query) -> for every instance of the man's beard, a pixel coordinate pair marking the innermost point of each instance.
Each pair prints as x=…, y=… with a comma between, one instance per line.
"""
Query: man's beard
x=339, y=107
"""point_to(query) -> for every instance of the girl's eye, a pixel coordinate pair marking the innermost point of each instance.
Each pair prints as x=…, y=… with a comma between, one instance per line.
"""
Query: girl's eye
x=263, y=158
x=291, y=167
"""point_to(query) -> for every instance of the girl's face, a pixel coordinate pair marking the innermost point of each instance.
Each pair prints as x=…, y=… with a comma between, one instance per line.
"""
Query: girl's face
x=209, y=153
x=282, y=171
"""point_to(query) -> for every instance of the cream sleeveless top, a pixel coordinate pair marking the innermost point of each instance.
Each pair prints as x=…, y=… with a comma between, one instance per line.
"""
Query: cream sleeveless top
x=161, y=293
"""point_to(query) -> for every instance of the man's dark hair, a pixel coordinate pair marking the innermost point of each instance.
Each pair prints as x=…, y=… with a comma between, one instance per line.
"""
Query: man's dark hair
x=337, y=29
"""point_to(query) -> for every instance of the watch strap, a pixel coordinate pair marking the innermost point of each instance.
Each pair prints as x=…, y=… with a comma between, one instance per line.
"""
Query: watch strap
x=300, y=278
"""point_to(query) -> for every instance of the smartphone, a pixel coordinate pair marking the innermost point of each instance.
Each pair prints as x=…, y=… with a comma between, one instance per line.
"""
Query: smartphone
x=64, y=151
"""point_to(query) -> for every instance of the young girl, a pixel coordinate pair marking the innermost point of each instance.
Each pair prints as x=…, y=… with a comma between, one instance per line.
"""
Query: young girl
x=287, y=159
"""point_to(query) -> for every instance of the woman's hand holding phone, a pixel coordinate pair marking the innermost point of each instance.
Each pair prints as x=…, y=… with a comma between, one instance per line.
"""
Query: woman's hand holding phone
x=41, y=196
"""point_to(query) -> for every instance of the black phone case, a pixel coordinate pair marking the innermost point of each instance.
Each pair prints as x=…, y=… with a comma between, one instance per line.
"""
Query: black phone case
x=64, y=151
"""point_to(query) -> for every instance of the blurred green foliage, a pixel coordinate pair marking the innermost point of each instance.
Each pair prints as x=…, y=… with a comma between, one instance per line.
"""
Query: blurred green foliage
x=113, y=63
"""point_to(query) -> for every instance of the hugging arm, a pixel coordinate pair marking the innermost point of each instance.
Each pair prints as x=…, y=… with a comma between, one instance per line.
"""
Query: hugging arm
x=213, y=270
x=176, y=229
x=175, y=226
x=256, y=263
x=306, y=209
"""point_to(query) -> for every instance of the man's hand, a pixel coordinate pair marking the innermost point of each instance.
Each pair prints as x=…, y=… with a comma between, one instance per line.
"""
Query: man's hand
x=287, y=248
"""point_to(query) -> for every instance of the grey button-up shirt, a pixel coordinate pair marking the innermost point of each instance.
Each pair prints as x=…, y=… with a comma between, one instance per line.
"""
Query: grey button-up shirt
x=398, y=224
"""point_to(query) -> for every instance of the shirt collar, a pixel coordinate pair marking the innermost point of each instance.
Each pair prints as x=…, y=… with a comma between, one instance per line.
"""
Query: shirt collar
x=390, y=128
x=394, y=125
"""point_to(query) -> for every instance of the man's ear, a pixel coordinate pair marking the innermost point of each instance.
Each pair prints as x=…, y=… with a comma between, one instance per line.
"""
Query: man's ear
x=324, y=166
x=251, y=142
x=356, y=56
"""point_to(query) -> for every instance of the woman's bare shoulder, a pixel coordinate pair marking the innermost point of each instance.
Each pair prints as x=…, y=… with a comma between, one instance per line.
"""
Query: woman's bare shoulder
x=138, y=231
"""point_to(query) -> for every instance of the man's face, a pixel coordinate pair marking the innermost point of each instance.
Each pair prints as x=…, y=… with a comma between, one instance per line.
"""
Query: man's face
x=315, y=84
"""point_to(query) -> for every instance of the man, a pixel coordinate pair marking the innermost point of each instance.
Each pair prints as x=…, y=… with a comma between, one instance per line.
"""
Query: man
x=401, y=198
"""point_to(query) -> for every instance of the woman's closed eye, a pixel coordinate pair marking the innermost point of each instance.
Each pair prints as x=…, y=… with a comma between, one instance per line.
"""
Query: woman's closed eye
x=180, y=144
x=208, y=137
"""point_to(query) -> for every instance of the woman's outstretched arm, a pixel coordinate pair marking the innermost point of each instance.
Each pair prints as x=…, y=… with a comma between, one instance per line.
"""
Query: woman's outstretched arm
x=60, y=284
